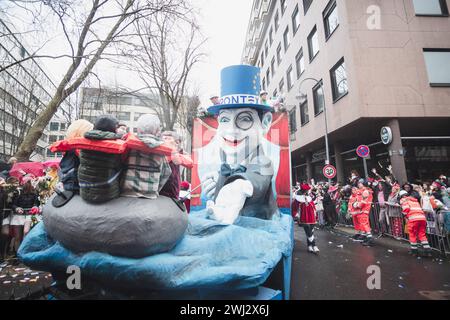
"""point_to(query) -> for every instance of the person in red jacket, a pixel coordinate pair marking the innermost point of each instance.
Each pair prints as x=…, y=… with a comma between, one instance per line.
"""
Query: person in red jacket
x=364, y=206
x=307, y=216
x=354, y=210
x=417, y=223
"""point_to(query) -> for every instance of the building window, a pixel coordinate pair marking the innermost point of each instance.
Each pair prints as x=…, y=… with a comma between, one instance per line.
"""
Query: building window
x=283, y=6
x=304, y=117
x=281, y=85
x=22, y=51
x=264, y=84
x=437, y=62
x=271, y=35
x=266, y=48
x=330, y=18
x=54, y=126
x=52, y=139
x=300, y=63
x=292, y=121
x=286, y=39
x=319, y=103
x=50, y=154
x=306, y=5
x=313, y=44
x=275, y=93
x=63, y=126
x=289, y=78
x=268, y=76
x=262, y=59
x=279, y=54
x=430, y=7
x=277, y=21
x=339, y=80
x=272, y=66
x=124, y=116
x=295, y=20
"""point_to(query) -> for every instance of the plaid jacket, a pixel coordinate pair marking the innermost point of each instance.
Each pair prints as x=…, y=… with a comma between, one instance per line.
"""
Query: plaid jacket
x=145, y=174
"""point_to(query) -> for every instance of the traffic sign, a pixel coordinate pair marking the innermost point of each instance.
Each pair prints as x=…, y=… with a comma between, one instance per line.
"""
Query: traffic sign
x=329, y=171
x=386, y=135
x=363, y=151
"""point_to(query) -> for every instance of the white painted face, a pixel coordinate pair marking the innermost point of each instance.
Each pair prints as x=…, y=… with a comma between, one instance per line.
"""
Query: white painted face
x=240, y=131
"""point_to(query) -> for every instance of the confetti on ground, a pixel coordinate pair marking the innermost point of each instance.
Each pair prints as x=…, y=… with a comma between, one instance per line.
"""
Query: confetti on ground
x=329, y=242
x=390, y=251
x=400, y=286
x=340, y=246
x=14, y=275
x=6, y=282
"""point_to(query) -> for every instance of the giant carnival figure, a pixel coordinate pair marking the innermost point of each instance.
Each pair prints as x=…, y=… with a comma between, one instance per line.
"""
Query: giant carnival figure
x=243, y=184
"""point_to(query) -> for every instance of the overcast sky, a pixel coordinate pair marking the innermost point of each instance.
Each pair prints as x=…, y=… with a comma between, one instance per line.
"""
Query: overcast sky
x=223, y=22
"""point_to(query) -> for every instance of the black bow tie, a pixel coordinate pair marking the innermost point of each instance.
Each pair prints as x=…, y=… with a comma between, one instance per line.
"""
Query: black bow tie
x=226, y=171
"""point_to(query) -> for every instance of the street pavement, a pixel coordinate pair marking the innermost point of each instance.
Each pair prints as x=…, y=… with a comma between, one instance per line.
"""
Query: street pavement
x=340, y=270
x=17, y=280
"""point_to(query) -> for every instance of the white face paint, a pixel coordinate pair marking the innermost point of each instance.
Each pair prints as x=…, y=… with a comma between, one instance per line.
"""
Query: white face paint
x=240, y=132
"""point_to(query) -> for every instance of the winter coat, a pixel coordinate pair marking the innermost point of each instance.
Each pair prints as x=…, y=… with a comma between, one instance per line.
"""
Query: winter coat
x=99, y=172
x=412, y=210
x=25, y=201
x=69, y=171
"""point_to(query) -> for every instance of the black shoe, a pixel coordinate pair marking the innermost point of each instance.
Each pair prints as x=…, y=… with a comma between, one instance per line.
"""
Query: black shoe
x=368, y=242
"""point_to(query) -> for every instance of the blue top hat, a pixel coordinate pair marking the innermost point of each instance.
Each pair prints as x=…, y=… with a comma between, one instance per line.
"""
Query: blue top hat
x=240, y=86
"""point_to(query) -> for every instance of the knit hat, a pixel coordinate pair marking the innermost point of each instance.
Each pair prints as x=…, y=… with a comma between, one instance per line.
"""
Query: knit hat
x=106, y=123
x=403, y=193
x=148, y=124
x=78, y=128
x=305, y=187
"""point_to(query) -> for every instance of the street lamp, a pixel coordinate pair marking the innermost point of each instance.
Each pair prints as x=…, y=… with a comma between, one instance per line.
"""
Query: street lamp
x=302, y=98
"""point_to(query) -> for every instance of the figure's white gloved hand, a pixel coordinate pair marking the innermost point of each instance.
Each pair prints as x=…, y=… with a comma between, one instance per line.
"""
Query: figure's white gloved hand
x=230, y=201
x=210, y=183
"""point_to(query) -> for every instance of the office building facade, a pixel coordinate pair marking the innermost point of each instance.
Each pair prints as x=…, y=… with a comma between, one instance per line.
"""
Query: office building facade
x=25, y=90
x=378, y=71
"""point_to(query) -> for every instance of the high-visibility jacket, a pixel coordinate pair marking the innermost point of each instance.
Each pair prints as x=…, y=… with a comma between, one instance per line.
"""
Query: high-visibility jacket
x=412, y=210
x=363, y=201
x=366, y=202
x=353, y=203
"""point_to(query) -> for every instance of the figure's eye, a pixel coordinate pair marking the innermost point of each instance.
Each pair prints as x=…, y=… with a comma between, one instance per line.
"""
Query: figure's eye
x=224, y=119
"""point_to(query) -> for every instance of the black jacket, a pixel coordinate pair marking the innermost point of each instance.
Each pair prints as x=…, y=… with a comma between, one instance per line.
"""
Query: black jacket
x=69, y=171
x=25, y=201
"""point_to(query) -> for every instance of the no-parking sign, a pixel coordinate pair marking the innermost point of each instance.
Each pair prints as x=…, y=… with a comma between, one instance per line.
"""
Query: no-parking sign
x=329, y=171
x=363, y=151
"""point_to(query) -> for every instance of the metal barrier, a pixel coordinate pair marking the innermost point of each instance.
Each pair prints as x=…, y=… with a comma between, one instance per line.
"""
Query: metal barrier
x=388, y=220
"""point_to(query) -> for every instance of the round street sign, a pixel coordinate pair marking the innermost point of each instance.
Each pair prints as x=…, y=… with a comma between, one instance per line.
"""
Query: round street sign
x=363, y=151
x=329, y=171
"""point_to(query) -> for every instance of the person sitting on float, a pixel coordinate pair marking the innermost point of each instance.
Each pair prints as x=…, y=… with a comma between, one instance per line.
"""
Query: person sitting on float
x=171, y=188
x=146, y=173
x=99, y=172
x=70, y=162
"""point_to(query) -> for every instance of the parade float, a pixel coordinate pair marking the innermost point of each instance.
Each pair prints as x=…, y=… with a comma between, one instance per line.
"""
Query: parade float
x=237, y=246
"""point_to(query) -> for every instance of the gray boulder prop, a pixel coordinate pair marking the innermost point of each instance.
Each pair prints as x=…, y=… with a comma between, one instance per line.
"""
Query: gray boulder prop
x=130, y=227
